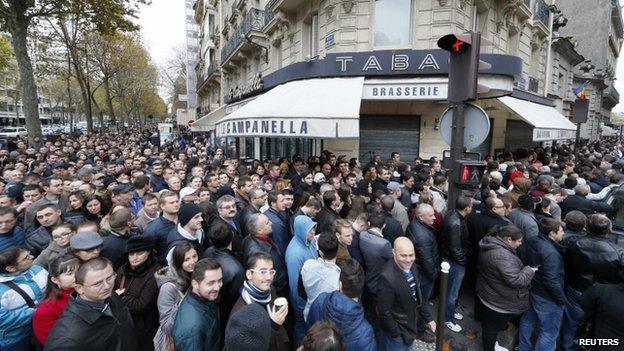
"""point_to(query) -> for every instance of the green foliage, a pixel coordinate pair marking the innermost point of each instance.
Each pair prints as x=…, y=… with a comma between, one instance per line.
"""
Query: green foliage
x=6, y=54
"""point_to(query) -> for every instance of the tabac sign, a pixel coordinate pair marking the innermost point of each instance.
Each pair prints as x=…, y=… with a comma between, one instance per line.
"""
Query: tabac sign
x=387, y=64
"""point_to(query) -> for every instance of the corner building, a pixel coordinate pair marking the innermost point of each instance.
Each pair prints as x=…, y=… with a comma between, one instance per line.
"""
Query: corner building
x=365, y=77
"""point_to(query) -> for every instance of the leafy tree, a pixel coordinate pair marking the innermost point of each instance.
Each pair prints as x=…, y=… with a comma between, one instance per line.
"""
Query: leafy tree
x=16, y=16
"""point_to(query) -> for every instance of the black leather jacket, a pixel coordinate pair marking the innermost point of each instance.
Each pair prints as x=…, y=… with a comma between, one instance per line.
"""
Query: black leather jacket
x=593, y=259
x=455, y=240
x=426, y=247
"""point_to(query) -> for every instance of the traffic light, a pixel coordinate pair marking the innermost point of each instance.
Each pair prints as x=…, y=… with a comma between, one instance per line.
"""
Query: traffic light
x=470, y=172
x=464, y=65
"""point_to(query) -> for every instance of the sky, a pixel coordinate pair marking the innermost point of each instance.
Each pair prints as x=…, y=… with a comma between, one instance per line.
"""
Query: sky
x=162, y=28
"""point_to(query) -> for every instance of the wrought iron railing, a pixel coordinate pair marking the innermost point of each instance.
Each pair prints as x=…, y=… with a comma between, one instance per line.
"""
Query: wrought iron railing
x=255, y=19
x=541, y=12
x=533, y=84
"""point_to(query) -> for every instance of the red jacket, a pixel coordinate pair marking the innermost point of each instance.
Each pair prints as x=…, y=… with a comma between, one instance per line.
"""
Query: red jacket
x=47, y=313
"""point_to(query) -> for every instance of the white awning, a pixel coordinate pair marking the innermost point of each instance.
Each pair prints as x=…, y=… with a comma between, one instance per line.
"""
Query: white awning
x=207, y=122
x=312, y=108
x=547, y=122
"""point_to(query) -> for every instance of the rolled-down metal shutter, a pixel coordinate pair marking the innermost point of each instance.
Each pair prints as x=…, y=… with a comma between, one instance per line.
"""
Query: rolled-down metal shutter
x=519, y=134
x=382, y=135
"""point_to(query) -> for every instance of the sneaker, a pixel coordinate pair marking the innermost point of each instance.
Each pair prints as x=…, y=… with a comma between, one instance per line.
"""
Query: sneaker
x=497, y=347
x=453, y=327
x=458, y=316
x=427, y=337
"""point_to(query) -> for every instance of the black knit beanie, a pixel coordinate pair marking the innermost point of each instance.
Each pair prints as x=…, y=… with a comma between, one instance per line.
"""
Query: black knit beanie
x=249, y=329
x=187, y=212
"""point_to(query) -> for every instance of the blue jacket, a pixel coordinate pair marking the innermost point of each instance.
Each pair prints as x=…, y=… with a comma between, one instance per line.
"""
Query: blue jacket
x=280, y=230
x=548, y=281
x=158, y=230
x=299, y=251
x=348, y=315
x=11, y=239
x=197, y=325
x=15, y=315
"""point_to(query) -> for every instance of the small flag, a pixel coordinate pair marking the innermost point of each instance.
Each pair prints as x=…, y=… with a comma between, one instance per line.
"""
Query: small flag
x=581, y=91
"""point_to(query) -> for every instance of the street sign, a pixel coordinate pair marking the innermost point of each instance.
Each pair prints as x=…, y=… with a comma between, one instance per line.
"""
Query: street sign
x=477, y=126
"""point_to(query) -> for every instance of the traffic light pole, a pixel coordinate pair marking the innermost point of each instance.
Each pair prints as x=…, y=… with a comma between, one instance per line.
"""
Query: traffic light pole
x=457, y=150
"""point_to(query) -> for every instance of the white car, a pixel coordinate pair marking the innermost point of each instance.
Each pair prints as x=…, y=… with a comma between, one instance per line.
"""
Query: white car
x=13, y=132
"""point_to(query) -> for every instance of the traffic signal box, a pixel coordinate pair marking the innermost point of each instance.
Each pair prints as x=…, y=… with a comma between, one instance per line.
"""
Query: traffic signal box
x=463, y=65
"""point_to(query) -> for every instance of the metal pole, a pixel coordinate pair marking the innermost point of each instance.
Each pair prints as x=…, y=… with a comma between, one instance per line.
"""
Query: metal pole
x=578, y=136
x=445, y=267
x=457, y=149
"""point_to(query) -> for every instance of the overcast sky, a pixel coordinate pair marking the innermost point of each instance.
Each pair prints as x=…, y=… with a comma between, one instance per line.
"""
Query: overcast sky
x=162, y=27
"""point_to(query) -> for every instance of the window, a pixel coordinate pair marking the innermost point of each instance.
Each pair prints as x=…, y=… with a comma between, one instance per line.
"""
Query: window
x=392, y=22
x=314, y=29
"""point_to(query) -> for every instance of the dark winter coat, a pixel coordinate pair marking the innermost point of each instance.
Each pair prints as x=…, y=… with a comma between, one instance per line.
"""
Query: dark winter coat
x=140, y=296
x=503, y=280
x=581, y=203
x=593, y=259
x=455, y=239
x=548, y=282
x=11, y=239
x=37, y=238
x=197, y=325
x=88, y=326
x=252, y=245
x=426, y=248
x=280, y=234
x=603, y=304
x=233, y=278
x=325, y=219
x=398, y=310
x=393, y=228
x=158, y=230
x=480, y=224
x=114, y=246
x=376, y=251
x=348, y=316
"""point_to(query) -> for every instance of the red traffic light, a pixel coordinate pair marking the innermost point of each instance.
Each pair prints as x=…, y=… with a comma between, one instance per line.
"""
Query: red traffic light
x=453, y=44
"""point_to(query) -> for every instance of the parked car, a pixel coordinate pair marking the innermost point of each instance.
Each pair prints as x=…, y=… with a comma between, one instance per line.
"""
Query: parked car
x=13, y=132
x=616, y=200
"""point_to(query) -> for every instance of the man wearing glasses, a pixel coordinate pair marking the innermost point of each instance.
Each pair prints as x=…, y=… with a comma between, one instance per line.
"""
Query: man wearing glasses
x=257, y=288
x=95, y=318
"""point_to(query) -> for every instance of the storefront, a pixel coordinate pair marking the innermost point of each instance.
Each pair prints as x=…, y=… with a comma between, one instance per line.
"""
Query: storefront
x=367, y=103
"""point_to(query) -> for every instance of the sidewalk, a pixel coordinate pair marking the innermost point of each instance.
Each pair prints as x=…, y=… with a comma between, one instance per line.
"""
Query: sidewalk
x=469, y=339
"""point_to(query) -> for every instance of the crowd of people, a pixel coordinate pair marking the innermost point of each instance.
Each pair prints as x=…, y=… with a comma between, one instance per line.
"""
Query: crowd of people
x=108, y=242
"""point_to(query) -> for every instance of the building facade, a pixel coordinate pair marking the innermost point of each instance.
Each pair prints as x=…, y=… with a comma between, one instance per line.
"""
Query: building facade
x=365, y=77
x=192, y=56
x=599, y=41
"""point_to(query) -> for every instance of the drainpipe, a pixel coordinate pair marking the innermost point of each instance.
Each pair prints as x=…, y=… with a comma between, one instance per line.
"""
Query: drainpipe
x=548, y=54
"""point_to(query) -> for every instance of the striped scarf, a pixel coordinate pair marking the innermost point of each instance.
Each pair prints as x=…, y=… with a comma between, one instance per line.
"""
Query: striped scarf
x=252, y=294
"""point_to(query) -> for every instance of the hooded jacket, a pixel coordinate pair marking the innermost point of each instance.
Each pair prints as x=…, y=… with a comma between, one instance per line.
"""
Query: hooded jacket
x=15, y=315
x=298, y=251
x=503, y=280
x=521, y=186
x=348, y=315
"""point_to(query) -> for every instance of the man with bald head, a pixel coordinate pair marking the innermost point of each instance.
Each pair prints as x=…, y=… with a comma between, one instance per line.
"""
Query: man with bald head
x=399, y=286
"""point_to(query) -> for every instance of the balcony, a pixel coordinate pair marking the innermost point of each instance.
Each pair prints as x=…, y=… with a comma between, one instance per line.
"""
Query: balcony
x=289, y=6
x=541, y=17
x=254, y=21
x=610, y=97
x=203, y=80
